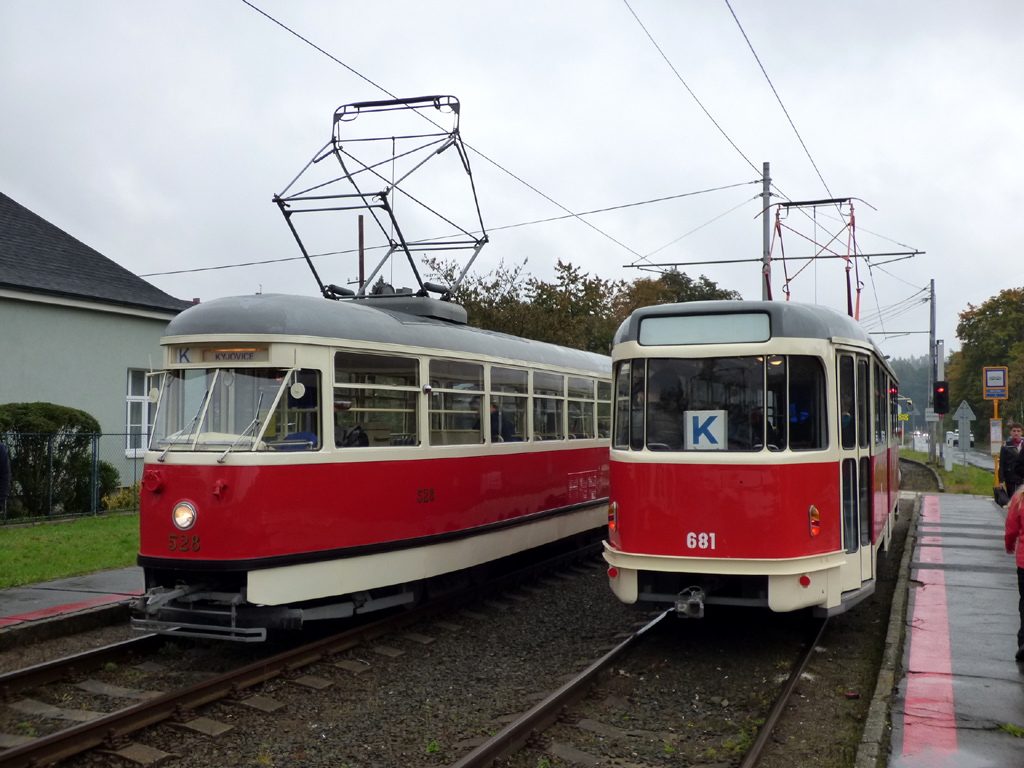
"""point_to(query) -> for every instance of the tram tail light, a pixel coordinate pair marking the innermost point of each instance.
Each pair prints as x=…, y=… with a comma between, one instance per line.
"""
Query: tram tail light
x=613, y=516
x=815, y=520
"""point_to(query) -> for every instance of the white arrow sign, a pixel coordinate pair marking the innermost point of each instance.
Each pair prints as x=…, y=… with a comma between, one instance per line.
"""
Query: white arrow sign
x=964, y=412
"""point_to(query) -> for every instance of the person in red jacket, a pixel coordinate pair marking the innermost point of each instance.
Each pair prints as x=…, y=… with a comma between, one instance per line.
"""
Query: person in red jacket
x=1015, y=541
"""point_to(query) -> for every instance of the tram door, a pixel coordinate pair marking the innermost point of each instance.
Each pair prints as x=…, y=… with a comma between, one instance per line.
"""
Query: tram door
x=855, y=466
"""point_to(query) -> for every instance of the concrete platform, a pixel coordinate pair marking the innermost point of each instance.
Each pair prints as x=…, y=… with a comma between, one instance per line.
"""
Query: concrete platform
x=958, y=681
x=38, y=611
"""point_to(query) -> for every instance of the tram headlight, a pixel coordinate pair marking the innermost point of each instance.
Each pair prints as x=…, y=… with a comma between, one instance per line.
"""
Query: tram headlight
x=815, y=520
x=183, y=515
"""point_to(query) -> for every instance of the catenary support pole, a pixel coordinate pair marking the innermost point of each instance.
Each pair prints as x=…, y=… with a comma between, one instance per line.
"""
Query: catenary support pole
x=766, y=229
x=932, y=378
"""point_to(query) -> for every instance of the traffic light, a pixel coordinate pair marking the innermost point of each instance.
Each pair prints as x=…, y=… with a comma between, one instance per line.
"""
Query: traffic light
x=940, y=401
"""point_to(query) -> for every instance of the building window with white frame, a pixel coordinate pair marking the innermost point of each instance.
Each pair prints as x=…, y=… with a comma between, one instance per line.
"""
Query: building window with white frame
x=139, y=414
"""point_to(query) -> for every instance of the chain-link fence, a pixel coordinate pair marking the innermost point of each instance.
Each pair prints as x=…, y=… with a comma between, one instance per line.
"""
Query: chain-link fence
x=70, y=474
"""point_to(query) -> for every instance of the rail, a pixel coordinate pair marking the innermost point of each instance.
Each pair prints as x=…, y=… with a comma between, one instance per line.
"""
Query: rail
x=113, y=730
x=517, y=734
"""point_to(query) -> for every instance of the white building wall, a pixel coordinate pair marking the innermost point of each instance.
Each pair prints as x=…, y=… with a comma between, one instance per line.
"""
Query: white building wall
x=75, y=356
x=78, y=356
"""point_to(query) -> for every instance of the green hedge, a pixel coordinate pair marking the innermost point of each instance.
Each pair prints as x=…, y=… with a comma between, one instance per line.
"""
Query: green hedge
x=52, y=460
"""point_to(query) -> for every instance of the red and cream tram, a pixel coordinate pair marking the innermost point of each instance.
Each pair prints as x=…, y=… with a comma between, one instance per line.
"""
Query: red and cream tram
x=314, y=459
x=754, y=460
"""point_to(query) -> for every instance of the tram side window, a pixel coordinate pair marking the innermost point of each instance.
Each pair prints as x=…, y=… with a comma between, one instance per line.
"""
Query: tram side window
x=851, y=521
x=548, y=406
x=863, y=402
x=620, y=438
x=807, y=404
x=456, y=403
x=847, y=403
x=866, y=499
x=894, y=410
x=881, y=406
x=375, y=400
x=604, y=409
x=510, y=395
x=581, y=408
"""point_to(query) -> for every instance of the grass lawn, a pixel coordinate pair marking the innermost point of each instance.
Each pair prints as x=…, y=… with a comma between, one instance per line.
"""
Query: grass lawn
x=34, y=553
x=961, y=479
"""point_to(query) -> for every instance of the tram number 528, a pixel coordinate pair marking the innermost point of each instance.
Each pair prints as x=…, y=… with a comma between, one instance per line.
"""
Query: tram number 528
x=700, y=540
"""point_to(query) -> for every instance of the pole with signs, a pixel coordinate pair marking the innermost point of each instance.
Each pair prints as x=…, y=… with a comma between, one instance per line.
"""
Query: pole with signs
x=964, y=416
x=995, y=385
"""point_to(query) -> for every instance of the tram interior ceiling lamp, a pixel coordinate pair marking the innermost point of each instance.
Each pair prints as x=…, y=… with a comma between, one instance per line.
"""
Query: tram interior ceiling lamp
x=940, y=399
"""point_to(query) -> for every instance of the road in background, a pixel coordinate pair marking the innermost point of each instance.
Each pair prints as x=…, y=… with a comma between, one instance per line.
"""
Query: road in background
x=975, y=457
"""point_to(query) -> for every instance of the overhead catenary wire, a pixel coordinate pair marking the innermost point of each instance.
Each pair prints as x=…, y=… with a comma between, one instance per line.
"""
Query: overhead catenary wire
x=648, y=256
x=852, y=249
x=569, y=213
x=689, y=90
x=607, y=209
x=893, y=311
x=778, y=98
x=633, y=205
x=704, y=109
x=468, y=146
x=853, y=253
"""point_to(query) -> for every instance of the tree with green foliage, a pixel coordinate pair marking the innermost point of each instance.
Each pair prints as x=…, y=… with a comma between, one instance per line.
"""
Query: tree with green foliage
x=52, y=463
x=670, y=287
x=914, y=374
x=991, y=334
x=576, y=310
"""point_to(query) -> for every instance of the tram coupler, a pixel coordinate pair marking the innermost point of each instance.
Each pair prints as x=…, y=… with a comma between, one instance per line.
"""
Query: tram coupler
x=690, y=603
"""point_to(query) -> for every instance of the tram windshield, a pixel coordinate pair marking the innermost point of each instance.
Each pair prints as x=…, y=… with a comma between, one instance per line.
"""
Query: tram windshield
x=238, y=409
x=749, y=403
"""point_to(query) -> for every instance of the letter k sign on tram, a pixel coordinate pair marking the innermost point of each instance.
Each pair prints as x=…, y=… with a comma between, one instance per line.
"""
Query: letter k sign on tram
x=705, y=430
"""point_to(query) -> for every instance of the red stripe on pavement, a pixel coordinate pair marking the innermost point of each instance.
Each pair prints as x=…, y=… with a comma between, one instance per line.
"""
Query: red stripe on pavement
x=929, y=735
x=56, y=610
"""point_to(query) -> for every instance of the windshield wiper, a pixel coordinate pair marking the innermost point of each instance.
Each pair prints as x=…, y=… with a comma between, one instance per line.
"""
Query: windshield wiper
x=202, y=404
x=252, y=424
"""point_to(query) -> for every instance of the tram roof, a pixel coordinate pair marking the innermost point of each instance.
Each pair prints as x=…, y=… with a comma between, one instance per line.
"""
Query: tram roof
x=788, y=319
x=368, y=321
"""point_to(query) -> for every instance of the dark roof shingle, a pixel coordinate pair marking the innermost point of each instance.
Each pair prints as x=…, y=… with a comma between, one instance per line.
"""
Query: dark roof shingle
x=39, y=257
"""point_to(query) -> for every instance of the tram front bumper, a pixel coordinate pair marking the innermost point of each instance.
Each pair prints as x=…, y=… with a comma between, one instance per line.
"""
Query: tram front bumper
x=792, y=584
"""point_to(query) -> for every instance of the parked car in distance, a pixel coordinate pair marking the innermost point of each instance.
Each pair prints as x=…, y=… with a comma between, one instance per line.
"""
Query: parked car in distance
x=953, y=438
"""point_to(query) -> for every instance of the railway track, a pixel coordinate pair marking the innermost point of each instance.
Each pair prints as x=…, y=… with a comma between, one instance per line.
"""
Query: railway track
x=684, y=691
x=525, y=730
x=112, y=731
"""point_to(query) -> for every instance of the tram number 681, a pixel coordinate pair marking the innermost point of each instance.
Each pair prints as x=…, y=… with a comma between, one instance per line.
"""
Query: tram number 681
x=700, y=540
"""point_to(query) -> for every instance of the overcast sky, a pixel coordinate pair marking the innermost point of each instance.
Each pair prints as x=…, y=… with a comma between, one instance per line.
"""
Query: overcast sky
x=158, y=133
